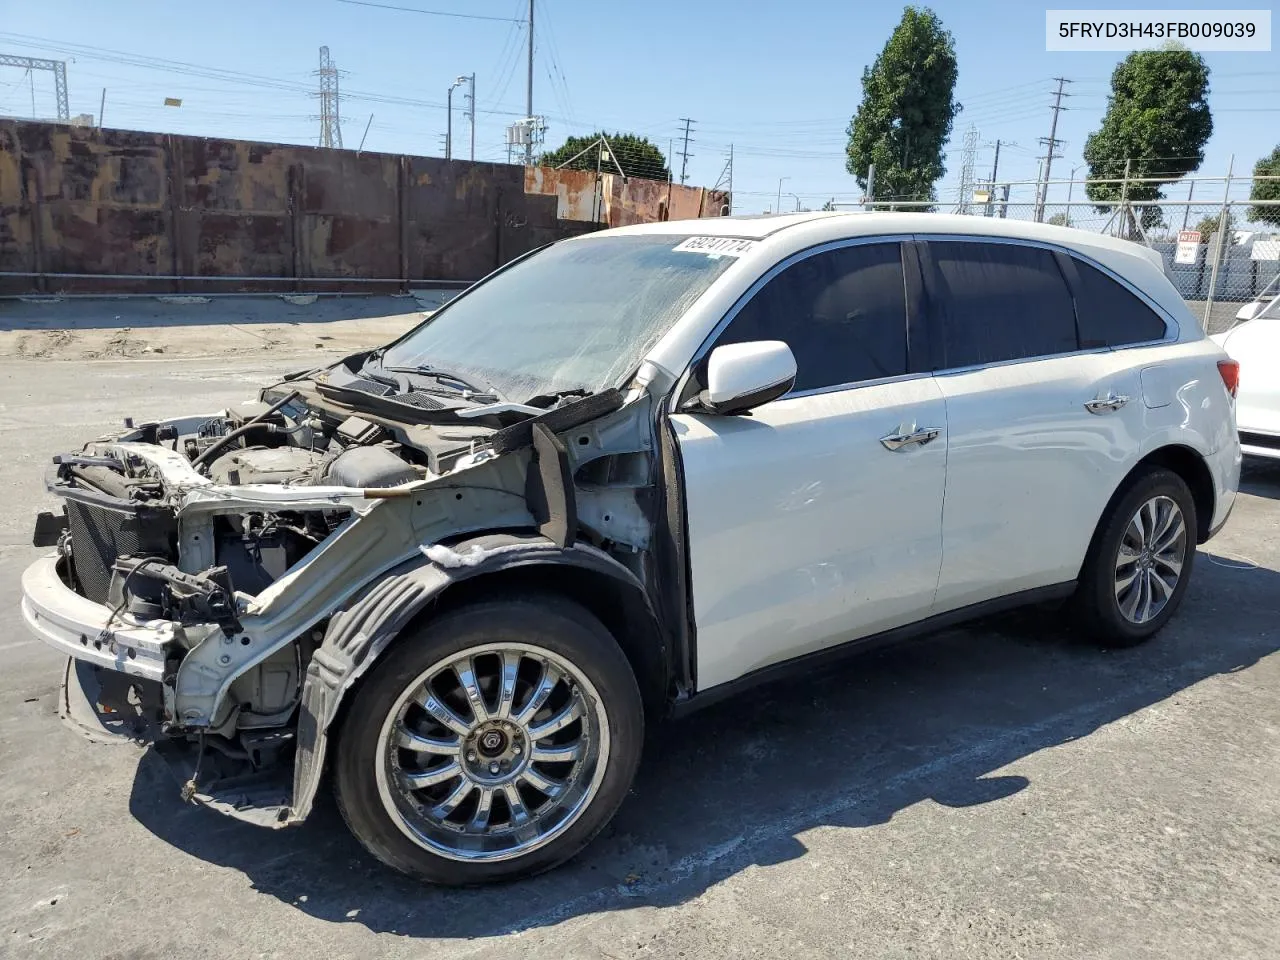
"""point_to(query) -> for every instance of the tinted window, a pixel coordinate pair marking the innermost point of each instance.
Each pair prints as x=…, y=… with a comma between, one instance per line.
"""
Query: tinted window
x=843, y=313
x=1110, y=314
x=1000, y=301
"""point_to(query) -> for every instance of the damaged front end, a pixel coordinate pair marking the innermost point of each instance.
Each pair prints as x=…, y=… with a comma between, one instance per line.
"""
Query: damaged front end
x=220, y=582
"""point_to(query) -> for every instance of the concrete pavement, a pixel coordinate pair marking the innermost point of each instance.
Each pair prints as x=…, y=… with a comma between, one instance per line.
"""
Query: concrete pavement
x=996, y=791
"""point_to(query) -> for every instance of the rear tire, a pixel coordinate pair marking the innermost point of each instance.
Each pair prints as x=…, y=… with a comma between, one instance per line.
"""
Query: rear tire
x=1139, y=562
x=493, y=743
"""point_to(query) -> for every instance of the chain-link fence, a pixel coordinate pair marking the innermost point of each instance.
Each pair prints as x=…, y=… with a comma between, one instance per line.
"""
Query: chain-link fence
x=1222, y=255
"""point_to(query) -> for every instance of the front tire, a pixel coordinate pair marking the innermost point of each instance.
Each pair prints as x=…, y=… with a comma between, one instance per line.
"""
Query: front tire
x=1140, y=561
x=493, y=743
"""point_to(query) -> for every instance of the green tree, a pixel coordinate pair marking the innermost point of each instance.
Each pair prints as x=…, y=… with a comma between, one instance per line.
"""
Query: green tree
x=1268, y=166
x=1208, y=225
x=1157, y=121
x=907, y=110
x=636, y=155
x=1060, y=220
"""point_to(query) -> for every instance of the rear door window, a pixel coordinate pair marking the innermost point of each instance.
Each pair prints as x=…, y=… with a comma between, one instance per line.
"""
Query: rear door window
x=843, y=312
x=1112, y=315
x=999, y=301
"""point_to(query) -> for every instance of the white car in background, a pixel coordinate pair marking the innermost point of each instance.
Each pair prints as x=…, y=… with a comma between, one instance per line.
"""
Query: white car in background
x=1254, y=343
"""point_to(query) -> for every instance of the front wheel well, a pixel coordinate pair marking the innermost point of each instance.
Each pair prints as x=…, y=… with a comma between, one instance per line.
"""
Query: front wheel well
x=620, y=606
x=1190, y=466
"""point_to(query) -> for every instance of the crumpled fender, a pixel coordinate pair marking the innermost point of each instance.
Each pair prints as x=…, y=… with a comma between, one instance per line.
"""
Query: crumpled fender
x=357, y=635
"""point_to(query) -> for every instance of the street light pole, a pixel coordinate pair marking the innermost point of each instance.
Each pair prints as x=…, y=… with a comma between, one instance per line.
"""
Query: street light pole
x=777, y=208
x=472, y=115
x=448, y=127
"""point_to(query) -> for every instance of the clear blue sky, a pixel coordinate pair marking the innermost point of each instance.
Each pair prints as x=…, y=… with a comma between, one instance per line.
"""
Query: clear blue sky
x=779, y=80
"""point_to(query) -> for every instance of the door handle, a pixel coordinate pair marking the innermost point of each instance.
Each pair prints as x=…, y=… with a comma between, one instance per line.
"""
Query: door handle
x=1107, y=404
x=896, y=441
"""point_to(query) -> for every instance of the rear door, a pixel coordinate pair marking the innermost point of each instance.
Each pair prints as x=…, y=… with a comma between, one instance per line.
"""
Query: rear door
x=809, y=521
x=1044, y=422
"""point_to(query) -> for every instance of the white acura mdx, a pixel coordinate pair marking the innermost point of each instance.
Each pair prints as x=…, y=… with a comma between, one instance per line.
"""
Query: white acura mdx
x=623, y=476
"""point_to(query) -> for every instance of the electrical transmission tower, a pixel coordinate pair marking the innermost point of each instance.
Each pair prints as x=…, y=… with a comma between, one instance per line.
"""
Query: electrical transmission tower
x=59, y=69
x=1052, y=143
x=726, y=180
x=684, y=153
x=330, y=121
x=967, y=165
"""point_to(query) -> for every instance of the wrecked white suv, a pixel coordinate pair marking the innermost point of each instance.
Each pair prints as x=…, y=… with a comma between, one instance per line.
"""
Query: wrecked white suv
x=622, y=476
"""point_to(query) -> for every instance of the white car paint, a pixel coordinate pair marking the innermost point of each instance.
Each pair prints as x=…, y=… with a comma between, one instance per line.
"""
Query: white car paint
x=804, y=531
x=1255, y=345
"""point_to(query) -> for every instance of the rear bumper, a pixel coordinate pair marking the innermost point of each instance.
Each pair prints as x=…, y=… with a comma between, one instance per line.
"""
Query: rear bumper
x=78, y=627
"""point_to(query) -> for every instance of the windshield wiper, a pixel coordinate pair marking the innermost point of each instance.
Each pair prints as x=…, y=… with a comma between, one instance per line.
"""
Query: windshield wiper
x=469, y=388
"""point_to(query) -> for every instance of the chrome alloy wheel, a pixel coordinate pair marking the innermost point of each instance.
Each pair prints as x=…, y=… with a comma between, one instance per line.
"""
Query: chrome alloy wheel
x=1149, y=561
x=492, y=753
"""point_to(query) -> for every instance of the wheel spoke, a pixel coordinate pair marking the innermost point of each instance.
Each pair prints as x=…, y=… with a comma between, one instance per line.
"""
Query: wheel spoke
x=542, y=784
x=507, y=688
x=1125, y=581
x=450, y=803
x=571, y=712
x=419, y=779
x=484, y=806
x=467, y=677
x=558, y=754
x=519, y=812
x=547, y=683
x=1170, y=563
x=1170, y=535
x=408, y=740
x=1138, y=526
x=1165, y=516
x=1143, y=609
x=1160, y=590
x=443, y=715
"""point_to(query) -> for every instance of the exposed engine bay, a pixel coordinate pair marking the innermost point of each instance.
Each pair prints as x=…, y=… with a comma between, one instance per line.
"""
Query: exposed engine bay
x=222, y=546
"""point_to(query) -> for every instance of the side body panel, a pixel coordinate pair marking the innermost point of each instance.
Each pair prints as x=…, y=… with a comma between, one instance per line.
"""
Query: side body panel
x=804, y=530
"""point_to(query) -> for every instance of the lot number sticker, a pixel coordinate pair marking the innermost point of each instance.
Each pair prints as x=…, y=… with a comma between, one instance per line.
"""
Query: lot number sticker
x=715, y=246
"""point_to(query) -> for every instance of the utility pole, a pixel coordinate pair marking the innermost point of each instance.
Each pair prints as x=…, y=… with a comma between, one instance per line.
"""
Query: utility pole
x=726, y=180
x=1052, y=143
x=995, y=167
x=448, y=136
x=684, y=155
x=102, y=107
x=528, y=96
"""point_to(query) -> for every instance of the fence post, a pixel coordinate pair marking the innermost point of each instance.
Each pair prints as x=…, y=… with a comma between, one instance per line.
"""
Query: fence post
x=1217, y=254
x=1186, y=211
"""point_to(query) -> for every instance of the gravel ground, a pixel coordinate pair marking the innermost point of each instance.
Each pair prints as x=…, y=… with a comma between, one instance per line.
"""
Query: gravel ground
x=995, y=791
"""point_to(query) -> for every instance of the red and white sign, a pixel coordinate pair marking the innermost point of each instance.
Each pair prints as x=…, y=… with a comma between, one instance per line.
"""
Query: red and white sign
x=1188, y=246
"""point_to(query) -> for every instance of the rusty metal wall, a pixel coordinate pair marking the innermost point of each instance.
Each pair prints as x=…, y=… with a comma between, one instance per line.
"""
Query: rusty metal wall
x=151, y=206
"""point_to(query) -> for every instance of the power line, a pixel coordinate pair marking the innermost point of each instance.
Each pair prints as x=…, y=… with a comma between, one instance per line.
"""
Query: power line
x=429, y=13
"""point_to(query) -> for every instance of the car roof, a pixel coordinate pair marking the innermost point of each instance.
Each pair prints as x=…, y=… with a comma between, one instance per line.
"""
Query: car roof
x=826, y=225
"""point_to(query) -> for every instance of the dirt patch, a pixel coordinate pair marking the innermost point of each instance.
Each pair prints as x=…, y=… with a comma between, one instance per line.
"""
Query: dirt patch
x=39, y=346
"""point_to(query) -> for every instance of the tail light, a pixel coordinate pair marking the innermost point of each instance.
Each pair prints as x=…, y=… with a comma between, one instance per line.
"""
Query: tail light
x=1230, y=372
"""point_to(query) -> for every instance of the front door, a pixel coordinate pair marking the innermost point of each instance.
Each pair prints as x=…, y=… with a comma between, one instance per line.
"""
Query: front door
x=817, y=518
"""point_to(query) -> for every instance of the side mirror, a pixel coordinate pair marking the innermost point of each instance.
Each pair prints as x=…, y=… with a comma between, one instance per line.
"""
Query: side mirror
x=1249, y=310
x=741, y=376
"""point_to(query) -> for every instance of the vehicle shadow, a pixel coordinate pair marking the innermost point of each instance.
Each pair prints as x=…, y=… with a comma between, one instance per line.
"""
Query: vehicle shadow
x=740, y=783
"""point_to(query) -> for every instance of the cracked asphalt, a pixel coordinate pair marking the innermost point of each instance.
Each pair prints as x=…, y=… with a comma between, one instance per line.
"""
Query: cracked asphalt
x=994, y=791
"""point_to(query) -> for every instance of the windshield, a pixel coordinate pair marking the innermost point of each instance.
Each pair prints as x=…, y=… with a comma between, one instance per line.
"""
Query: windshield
x=576, y=316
